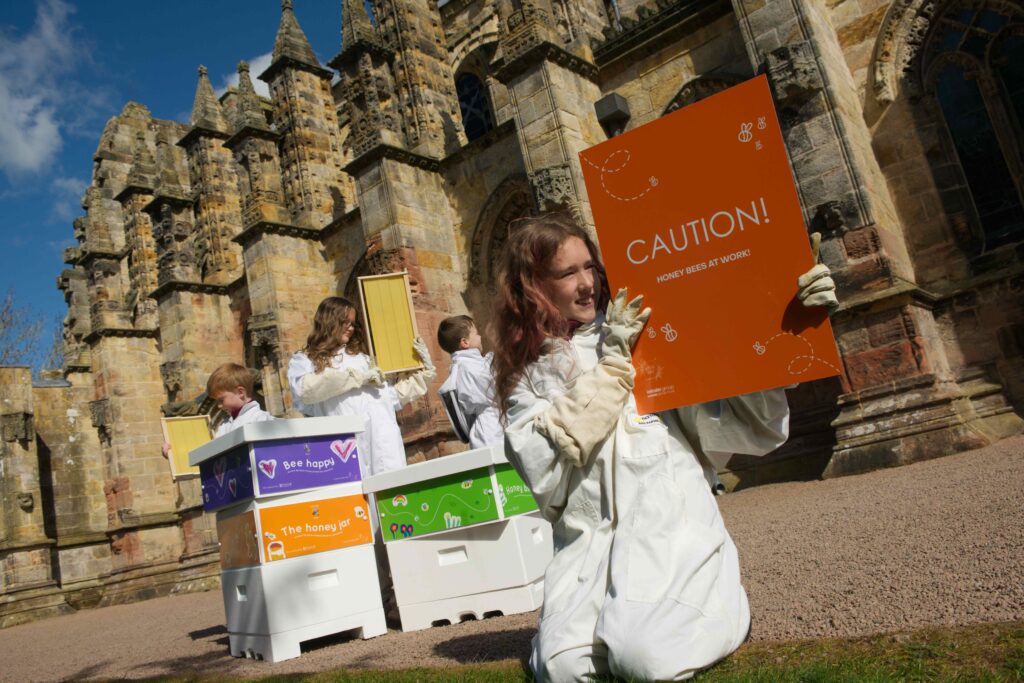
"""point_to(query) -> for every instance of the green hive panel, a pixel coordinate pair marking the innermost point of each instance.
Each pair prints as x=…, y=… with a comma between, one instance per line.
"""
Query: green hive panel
x=513, y=491
x=425, y=507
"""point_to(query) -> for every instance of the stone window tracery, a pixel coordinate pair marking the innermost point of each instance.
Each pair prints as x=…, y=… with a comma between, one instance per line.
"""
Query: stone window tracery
x=972, y=67
x=475, y=105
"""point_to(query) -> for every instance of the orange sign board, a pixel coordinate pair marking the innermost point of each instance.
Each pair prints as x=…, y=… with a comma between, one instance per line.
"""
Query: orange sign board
x=698, y=212
x=313, y=527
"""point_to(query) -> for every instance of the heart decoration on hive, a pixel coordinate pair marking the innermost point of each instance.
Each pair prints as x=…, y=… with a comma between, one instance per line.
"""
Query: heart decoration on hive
x=220, y=466
x=343, y=449
x=268, y=467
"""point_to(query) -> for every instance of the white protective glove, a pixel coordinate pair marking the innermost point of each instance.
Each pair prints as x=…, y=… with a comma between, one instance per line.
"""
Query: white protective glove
x=816, y=287
x=375, y=376
x=420, y=347
x=586, y=414
x=315, y=387
x=415, y=385
x=622, y=324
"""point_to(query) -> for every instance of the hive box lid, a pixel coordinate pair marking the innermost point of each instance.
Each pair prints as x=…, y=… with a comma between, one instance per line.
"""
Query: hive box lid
x=275, y=430
x=438, y=467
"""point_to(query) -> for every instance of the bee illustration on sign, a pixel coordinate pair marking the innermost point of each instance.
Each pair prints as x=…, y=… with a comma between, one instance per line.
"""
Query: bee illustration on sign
x=614, y=163
x=670, y=334
x=800, y=362
x=745, y=132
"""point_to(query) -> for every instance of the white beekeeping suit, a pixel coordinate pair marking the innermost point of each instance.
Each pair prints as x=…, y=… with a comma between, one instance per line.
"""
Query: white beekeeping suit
x=353, y=385
x=645, y=581
x=250, y=413
x=473, y=384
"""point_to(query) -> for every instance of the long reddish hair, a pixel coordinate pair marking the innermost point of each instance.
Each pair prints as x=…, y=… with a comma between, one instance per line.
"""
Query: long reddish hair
x=328, y=326
x=526, y=318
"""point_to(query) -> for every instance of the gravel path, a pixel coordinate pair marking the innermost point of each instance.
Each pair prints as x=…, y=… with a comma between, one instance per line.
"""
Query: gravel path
x=939, y=542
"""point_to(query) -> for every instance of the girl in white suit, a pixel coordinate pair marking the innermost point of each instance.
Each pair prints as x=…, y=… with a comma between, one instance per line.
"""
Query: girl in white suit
x=645, y=581
x=333, y=375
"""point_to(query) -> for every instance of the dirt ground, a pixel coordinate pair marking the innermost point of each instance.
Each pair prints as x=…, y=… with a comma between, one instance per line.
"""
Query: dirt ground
x=939, y=542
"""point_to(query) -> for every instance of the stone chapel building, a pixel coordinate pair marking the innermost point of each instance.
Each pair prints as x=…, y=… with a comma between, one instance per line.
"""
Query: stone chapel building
x=214, y=241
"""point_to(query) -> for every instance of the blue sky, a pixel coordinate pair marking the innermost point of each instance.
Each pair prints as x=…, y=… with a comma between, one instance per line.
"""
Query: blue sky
x=67, y=67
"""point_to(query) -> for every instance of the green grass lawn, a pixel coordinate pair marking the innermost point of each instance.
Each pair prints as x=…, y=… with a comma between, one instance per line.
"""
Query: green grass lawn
x=988, y=652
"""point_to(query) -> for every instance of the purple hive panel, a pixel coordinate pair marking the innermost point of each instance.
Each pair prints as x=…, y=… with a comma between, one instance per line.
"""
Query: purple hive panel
x=226, y=479
x=305, y=463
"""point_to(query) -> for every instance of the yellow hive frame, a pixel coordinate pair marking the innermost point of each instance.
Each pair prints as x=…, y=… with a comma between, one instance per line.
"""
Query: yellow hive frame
x=390, y=324
x=184, y=434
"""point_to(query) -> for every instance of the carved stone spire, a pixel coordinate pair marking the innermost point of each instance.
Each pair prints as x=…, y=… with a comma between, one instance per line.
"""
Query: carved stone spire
x=356, y=26
x=250, y=111
x=143, y=170
x=291, y=42
x=206, y=110
x=169, y=182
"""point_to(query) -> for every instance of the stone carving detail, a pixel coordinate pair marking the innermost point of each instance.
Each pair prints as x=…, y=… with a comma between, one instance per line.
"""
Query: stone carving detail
x=896, y=63
x=173, y=375
x=525, y=28
x=794, y=74
x=265, y=339
x=181, y=408
x=699, y=88
x=828, y=218
x=17, y=427
x=553, y=188
x=26, y=501
x=99, y=411
x=900, y=38
x=175, y=259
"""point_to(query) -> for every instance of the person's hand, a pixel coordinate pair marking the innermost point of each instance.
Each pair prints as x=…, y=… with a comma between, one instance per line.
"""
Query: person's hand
x=165, y=450
x=816, y=287
x=420, y=347
x=623, y=322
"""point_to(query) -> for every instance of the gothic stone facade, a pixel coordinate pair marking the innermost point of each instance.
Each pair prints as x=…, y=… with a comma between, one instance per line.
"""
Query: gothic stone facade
x=214, y=241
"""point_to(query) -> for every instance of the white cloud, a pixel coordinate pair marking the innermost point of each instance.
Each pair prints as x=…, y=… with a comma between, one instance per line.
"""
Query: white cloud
x=67, y=196
x=257, y=65
x=75, y=186
x=31, y=96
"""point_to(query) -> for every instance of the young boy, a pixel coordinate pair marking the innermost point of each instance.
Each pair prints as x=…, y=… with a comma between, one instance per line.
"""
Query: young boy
x=230, y=385
x=468, y=393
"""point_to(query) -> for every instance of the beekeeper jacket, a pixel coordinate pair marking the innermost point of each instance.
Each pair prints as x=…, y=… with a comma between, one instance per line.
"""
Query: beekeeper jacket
x=249, y=414
x=379, y=445
x=473, y=383
x=644, y=583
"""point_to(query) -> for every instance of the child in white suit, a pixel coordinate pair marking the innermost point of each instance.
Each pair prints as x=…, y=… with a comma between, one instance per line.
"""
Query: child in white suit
x=469, y=389
x=231, y=386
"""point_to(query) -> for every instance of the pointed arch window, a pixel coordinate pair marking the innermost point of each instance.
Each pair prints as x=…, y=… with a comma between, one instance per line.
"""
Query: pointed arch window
x=974, y=71
x=475, y=105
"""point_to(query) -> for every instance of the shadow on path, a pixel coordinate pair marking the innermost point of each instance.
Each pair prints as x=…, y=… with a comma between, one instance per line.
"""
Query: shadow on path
x=207, y=632
x=488, y=647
